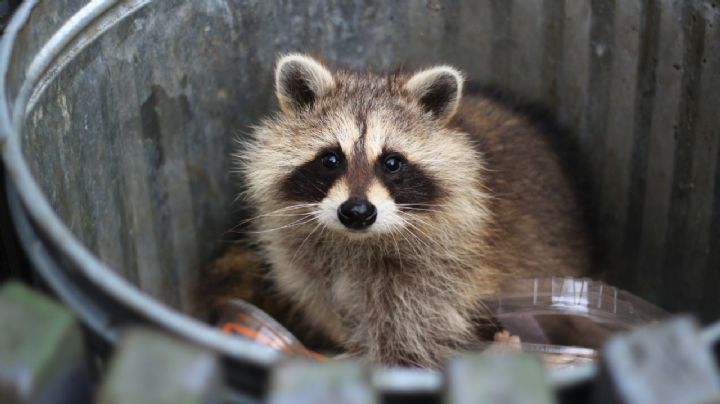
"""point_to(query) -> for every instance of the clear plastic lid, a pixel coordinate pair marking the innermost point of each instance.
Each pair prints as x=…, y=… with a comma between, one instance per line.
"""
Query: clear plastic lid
x=562, y=320
x=565, y=320
x=245, y=320
x=576, y=296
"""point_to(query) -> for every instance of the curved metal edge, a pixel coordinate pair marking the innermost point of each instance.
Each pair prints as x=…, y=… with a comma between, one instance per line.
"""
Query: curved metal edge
x=104, y=316
x=40, y=213
x=49, y=52
x=73, y=37
x=711, y=334
x=22, y=14
x=54, y=277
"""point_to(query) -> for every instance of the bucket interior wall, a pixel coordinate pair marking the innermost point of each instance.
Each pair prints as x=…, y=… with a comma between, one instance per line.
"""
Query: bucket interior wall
x=130, y=138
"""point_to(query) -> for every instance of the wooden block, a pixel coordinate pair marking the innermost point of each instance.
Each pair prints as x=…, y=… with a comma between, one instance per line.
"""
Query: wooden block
x=40, y=345
x=153, y=368
x=299, y=382
x=662, y=363
x=496, y=378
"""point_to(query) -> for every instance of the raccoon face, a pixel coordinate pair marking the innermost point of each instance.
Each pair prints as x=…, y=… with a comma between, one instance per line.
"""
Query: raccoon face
x=363, y=153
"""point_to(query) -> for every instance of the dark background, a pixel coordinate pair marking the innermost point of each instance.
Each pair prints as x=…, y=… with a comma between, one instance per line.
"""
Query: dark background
x=6, y=8
x=12, y=263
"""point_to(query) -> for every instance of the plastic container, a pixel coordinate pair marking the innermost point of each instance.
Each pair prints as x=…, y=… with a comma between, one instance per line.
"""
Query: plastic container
x=566, y=320
x=562, y=320
x=245, y=320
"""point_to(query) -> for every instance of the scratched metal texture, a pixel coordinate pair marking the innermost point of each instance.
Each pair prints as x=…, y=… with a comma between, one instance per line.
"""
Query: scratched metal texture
x=131, y=135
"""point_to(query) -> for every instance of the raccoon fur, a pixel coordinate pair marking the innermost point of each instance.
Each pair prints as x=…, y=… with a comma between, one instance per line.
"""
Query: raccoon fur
x=388, y=205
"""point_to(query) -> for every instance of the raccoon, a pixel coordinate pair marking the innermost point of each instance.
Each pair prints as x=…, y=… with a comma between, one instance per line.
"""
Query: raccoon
x=389, y=205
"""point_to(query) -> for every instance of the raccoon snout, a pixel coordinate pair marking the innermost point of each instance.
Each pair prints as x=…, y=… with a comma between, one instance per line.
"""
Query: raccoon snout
x=357, y=213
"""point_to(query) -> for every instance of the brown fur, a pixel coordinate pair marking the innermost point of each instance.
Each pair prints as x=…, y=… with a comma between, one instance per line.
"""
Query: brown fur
x=238, y=274
x=539, y=225
x=406, y=290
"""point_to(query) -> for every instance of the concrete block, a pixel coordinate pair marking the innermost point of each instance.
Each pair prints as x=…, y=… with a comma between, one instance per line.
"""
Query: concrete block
x=299, y=382
x=662, y=363
x=496, y=378
x=40, y=343
x=153, y=368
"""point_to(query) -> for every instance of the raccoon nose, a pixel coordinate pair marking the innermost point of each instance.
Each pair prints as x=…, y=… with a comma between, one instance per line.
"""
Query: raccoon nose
x=357, y=213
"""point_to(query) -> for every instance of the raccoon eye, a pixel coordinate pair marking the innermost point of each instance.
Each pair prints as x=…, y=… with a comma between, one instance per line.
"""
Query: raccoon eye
x=330, y=160
x=392, y=164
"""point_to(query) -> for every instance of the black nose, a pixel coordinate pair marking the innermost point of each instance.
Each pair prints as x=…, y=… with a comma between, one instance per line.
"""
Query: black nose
x=357, y=213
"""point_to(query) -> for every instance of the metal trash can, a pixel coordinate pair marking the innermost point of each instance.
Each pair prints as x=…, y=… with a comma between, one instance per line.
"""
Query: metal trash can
x=117, y=118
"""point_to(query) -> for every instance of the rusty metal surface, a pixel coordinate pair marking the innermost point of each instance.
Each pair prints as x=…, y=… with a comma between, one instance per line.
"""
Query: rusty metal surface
x=128, y=132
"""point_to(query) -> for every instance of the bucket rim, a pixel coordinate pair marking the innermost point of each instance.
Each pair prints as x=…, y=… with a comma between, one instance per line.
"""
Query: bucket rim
x=37, y=209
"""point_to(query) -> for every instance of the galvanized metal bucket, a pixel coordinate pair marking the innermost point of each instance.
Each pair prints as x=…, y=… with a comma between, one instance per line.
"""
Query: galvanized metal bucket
x=117, y=119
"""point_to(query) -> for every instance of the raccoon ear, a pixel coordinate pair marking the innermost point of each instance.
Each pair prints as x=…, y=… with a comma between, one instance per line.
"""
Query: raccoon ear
x=437, y=90
x=299, y=81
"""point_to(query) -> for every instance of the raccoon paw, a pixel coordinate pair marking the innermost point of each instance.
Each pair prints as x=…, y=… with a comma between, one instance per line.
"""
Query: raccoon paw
x=503, y=341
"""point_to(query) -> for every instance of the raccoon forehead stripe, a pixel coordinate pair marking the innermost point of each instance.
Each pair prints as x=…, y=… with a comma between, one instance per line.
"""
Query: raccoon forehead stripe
x=347, y=134
x=377, y=132
x=359, y=172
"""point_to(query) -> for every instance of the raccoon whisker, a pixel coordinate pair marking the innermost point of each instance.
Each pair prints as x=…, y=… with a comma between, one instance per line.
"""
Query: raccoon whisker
x=273, y=215
x=411, y=243
x=301, y=216
x=404, y=208
x=411, y=225
x=422, y=205
x=415, y=242
x=427, y=224
x=292, y=260
x=296, y=223
x=430, y=225
x=240, y=136
x=421, y=247
x=397, y=247
x=275, y=212
x=292, y=214
x=411, y=206
x=311, y=182
x=416, y=208
x=413, y=230
x=413, y=187
x=238, y=198
x=297, y=206
x=419, y=209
